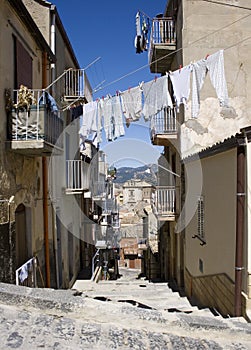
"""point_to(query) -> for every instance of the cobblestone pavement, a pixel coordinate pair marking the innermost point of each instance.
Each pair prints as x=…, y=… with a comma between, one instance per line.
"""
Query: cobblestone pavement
x=122, y=314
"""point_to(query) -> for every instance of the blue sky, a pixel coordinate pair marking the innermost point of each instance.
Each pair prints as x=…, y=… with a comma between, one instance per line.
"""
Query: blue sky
x=107, y=29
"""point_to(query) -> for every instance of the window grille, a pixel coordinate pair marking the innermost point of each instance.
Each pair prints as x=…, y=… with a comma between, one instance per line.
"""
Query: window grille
x=201, y=217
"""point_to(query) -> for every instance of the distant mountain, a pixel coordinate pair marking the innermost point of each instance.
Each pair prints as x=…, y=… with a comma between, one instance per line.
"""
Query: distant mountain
x=145, y=173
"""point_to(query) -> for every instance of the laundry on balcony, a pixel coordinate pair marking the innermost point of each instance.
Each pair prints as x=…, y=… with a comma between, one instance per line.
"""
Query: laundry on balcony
x=141, y=39
x=47, y=100
x=35, y=116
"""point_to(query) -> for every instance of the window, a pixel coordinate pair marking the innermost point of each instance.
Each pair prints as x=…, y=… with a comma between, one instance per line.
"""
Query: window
x=201, y=232
x=22, y=65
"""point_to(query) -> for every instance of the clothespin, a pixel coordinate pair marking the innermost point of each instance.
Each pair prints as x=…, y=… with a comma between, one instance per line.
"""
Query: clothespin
x=129, y=89
x=103, y=97
x=207, y=55
x=117, y=92
x=155, y=78
x=180, y=67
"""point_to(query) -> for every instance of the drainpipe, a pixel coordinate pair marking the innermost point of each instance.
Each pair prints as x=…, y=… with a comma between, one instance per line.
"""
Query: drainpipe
x=53, y=45
x=240, y=211
x=45, y=193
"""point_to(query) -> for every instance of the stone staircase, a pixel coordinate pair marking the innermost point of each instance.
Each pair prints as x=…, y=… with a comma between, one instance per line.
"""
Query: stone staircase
x=128, y=313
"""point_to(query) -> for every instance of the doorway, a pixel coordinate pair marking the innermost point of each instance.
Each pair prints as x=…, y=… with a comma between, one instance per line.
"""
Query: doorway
x=21, y=236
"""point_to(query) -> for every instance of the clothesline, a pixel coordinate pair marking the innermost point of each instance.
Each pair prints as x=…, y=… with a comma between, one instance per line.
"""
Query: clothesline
x=182, y=48
x=148, y=99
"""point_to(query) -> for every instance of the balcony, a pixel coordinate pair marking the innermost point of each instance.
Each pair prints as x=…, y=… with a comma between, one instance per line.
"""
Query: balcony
x=77, y=176
x=34, y=129
x=99, y=191
x=165, y=203
x=164, y=127
x=162, y=44
x=76, y=86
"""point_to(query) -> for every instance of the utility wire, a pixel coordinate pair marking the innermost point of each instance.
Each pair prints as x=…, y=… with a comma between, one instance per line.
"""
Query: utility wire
x=181, y=48
x=230, y=5
x=239, y=42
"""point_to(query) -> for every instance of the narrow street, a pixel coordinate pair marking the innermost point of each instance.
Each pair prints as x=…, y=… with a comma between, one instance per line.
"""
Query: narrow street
x=128, y=313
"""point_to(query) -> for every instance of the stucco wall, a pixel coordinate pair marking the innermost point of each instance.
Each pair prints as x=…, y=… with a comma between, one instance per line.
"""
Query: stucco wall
x=219, y=192
x=41, y=16
x=207, y=28
x=21, y=176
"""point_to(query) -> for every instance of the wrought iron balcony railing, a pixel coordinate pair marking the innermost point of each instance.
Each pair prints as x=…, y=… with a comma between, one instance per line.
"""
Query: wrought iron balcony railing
x=162, y=43
x=163, y=31
x=77, y=176
x=37, y=121
x=164, y=122
x=165, y=201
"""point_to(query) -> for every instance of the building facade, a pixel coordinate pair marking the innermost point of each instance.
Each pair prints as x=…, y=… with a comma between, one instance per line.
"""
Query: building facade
x=43, y=171
x=201, y=248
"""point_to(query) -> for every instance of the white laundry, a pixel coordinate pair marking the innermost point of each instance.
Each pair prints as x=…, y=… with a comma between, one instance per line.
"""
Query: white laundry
x=89, y=120
x=23, y=273
x=214, y=64
x=119, y=129
x=156, y=96
x=181, y=84
x=99, y=120
x=131, y=101
x=108, y=118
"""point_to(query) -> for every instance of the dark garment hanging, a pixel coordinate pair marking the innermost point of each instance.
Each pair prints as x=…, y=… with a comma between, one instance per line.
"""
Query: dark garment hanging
x=76, y=112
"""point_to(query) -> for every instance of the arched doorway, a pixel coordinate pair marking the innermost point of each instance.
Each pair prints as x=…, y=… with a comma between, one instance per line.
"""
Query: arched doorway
x=21, y=236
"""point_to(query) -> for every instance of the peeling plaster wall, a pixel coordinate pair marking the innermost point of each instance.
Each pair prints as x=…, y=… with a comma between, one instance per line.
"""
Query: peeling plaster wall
x=208, y=28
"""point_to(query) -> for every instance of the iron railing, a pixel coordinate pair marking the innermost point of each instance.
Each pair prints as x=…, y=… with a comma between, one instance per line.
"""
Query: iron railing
x=77, y=175
x=165, y=200
x=163, y=31
x=74, y=82
x=39, y=120
x=164, y=122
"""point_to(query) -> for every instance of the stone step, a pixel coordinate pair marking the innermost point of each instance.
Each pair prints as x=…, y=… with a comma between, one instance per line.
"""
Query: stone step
x=67, y=319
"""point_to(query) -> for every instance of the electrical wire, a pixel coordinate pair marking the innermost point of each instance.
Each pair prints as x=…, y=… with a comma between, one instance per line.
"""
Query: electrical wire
x=230, y=5
x=239, y=42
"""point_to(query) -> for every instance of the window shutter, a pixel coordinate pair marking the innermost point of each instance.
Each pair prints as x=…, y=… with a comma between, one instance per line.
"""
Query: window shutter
x=23, y=65
x=201, y=217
